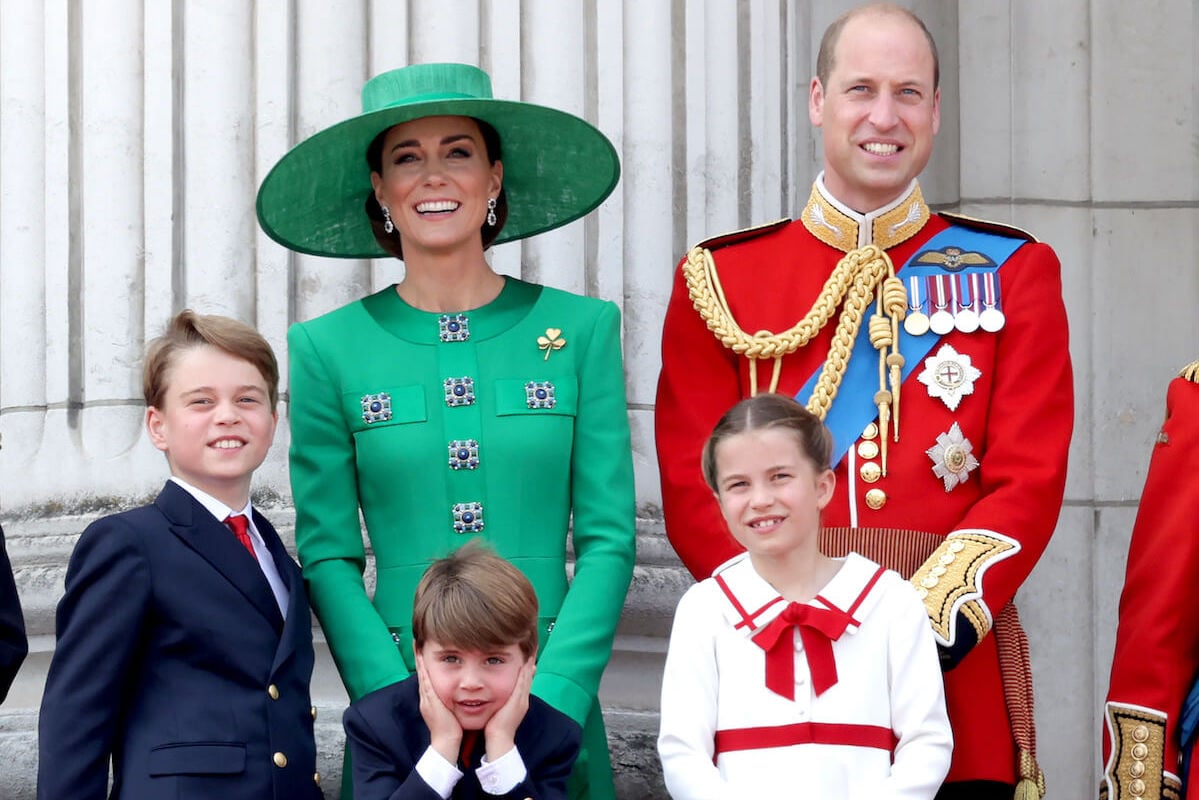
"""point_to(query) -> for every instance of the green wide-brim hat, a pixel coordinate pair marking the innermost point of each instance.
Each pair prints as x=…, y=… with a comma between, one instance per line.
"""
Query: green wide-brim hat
x=557, y=167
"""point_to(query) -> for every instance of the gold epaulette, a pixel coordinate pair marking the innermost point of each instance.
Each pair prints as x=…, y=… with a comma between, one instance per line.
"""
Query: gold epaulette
x=1190, y=372
x=987, y=226
x=743, y=235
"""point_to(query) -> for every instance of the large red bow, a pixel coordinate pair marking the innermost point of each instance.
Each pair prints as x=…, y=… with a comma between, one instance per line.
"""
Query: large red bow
x=818, y=629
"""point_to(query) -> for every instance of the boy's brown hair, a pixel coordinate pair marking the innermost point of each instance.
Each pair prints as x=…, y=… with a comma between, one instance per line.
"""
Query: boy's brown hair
x=475, y=600
x=187, y=330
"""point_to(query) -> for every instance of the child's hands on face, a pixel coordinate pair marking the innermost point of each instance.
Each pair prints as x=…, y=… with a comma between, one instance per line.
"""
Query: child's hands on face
x=500, y=731
x=445, y=734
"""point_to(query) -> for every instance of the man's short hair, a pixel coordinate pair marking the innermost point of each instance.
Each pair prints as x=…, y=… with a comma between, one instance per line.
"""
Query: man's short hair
x=187, y=330
x=832, y=35
x=475, y=600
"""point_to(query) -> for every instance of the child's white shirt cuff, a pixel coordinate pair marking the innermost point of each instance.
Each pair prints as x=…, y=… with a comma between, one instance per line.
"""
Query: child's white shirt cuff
x=502, y=775
x=441, y=775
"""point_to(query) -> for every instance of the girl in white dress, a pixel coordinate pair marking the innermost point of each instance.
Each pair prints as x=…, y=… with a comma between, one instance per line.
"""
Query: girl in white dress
x=790, y=673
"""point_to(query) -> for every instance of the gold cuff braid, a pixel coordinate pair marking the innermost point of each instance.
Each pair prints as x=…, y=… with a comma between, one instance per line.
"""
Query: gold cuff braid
x=1136, y=769
x=950, y=581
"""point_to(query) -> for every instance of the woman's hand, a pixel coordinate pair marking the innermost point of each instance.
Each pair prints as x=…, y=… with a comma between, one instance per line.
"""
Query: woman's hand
x=445, y=734
x=500, y=731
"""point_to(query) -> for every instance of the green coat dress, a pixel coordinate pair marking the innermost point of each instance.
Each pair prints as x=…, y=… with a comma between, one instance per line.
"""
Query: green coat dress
x=504, y=422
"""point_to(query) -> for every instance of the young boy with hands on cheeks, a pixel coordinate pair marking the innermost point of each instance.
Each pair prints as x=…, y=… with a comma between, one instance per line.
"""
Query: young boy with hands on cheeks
x=465, y=725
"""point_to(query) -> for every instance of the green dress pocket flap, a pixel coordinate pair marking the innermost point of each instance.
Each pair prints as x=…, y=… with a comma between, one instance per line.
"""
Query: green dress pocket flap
x=384, y=406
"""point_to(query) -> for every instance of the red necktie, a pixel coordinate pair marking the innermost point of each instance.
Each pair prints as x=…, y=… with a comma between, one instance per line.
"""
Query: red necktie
x=241, y=529
x=469, y=739
x=818, y=629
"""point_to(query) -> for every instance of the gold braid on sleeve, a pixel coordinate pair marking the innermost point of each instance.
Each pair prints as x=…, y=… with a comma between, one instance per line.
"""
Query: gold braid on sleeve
x=861, y=277
x=1137, y=768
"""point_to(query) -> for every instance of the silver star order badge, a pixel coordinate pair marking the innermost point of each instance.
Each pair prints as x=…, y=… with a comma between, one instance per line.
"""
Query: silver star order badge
x=953, y=457
x=949, y=375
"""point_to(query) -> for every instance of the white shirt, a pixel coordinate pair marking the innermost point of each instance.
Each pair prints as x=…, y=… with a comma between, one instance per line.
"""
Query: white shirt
x=888, y=677
x=266, y=562
x=497, y=777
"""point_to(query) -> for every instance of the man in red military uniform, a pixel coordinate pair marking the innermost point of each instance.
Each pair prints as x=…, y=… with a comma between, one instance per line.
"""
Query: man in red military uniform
x=1157, y=641
x=936, y=349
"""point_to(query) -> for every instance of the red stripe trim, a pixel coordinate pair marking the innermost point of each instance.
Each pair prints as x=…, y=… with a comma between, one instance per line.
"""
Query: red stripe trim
x=750, y=621
x=747, y=619
x=869, y=585
x=861, y=596
x=724, y=587
x=875, y=736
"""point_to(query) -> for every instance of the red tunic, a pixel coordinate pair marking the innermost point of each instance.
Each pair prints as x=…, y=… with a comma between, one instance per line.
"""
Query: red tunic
x=1157, y=642
x=1018, y=419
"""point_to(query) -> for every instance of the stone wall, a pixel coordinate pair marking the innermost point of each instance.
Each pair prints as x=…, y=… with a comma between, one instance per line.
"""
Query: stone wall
x=133, y=136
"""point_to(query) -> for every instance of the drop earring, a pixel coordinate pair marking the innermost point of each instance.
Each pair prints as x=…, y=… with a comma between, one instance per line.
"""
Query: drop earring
x=491, y=211
x=388, y=225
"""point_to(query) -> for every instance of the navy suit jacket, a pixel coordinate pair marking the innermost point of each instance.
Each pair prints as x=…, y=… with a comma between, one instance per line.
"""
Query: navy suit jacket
x=387, y=735
x=173, y=660
x=13, y=644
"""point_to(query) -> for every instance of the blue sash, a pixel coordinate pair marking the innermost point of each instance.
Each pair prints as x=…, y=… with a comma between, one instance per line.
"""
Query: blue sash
x=854, y=408
x=1188, y=726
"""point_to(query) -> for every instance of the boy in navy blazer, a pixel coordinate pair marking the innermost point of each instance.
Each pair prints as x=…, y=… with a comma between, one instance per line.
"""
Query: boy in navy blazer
x=465, y=726
x=184, y=639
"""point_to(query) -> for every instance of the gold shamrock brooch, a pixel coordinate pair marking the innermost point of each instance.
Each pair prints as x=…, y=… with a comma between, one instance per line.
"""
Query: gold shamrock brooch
x=552, y=340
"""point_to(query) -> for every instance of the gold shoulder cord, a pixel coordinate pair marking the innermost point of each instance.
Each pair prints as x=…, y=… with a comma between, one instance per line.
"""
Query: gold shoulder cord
x=861, y=276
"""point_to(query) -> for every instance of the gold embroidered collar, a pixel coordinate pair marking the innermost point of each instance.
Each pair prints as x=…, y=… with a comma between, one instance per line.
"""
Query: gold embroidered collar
x=841, y=227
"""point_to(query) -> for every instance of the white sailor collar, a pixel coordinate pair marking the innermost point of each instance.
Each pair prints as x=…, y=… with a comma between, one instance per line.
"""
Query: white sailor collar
x=752, y=602
x=839, y=226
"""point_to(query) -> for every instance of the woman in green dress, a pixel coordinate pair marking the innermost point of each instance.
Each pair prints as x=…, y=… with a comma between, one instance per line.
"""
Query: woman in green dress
x=458, y=403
